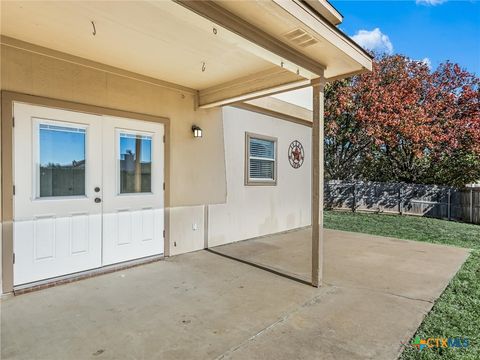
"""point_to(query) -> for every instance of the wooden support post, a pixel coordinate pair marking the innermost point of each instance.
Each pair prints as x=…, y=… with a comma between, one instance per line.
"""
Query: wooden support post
x=317, y=181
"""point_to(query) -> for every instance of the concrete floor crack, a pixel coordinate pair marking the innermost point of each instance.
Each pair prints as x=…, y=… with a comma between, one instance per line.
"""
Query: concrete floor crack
x=383, y=292
x=327, y=290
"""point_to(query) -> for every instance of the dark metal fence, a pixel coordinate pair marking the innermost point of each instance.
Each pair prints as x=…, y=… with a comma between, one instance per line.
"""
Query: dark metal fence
x=440, y=202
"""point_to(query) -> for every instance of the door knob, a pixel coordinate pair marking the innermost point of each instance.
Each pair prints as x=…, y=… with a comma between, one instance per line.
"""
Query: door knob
x=97, y=189
x=98, y=200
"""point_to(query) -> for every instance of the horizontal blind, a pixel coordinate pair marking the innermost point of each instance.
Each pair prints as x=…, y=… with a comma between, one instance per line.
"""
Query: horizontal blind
x=262, y=159
x=260, y=148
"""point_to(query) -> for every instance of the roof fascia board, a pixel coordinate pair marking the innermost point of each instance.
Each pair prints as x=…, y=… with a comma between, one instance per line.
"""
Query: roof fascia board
x=327, y=31
x=327, y=10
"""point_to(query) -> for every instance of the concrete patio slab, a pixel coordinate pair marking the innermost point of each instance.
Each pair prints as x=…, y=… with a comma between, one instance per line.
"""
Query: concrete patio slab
x=405, y=268
x=204, y=306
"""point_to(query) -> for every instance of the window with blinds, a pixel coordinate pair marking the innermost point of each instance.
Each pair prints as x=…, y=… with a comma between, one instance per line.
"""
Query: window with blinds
x=261, y=154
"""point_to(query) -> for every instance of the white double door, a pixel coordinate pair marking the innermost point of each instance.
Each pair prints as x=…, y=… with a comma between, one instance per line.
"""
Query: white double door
x=88, y=191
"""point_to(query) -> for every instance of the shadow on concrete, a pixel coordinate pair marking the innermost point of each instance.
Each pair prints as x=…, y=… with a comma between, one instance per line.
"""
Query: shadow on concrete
x=283, y=254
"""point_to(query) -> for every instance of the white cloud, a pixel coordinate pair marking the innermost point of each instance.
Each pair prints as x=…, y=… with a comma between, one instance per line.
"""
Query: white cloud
x=373, y=40
x=430, y=2
x=427, y=62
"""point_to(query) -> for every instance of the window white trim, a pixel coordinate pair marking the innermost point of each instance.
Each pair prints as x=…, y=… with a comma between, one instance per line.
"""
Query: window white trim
x=260, y=181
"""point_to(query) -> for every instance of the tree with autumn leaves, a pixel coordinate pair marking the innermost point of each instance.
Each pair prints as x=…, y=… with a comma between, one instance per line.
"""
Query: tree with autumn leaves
x=402, y=122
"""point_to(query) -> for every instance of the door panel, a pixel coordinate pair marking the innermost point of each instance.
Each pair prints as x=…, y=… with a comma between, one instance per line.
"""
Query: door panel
x=133, y=214
x=79, y=234
x=57, y=163
x=89, y=191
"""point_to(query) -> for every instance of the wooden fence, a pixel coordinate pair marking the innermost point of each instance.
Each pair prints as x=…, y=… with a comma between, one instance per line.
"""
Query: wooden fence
x=440, y=202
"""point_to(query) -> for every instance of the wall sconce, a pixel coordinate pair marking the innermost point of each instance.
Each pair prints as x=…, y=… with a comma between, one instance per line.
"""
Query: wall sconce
x=197, y=131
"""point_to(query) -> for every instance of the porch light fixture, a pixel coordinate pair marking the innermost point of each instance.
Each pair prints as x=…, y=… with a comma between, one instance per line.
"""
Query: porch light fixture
x=197, y=131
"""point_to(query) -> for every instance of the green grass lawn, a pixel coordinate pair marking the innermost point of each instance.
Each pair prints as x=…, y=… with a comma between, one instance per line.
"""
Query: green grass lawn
x=456, y=313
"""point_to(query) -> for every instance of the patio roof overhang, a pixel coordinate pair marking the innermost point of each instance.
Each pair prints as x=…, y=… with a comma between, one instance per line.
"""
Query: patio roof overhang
x=223, y=51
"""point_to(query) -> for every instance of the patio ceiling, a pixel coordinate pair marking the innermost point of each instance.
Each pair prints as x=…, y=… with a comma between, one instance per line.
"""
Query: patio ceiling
x=225, y=50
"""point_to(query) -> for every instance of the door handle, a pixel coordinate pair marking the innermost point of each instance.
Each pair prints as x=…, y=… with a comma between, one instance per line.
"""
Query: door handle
x=98, y=200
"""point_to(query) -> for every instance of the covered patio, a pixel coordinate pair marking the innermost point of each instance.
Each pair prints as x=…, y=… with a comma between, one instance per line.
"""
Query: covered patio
x=173, y=62
x=205, y=306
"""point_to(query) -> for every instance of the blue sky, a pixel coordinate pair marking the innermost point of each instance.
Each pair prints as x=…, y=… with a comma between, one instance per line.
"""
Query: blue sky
x=61, y=147
x=429, y=30
x=424, y=29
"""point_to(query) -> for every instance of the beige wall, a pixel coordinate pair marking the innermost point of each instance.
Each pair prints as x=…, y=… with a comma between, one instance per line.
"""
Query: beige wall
x=197, y=166
x=187, y=225
x=252, y=211
x=35, y=74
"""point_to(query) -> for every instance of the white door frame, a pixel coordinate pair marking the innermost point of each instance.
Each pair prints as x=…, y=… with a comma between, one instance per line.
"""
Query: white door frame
x=7, y=169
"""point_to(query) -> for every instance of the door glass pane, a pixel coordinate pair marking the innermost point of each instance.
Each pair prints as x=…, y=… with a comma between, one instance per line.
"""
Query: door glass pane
x=135, y=163
x=62, y=161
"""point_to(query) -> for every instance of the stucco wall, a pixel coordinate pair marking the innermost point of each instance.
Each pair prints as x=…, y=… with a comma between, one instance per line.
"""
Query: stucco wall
x=36, y=74
x=197, y=166
x=252, y=211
